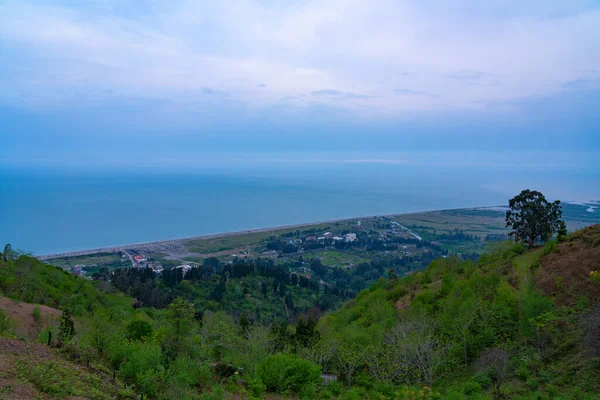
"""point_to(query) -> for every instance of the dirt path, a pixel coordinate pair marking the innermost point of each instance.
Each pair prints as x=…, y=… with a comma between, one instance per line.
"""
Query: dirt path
x=522, y=265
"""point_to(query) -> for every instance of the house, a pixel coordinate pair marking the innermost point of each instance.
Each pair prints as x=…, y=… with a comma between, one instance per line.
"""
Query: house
x=77, y=269
x=139, y=259
x=337, y=239
x=185, y=268
x=308, y=238
x=350, y=237
x=327, y=235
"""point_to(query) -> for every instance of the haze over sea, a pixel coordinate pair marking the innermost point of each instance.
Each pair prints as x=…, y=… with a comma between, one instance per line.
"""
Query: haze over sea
x=54, y=210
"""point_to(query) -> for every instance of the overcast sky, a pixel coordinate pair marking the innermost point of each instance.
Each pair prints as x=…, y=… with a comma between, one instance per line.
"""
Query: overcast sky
x=91, y=81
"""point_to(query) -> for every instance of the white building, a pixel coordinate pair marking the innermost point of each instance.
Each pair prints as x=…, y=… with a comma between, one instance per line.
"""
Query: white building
x=350, y=237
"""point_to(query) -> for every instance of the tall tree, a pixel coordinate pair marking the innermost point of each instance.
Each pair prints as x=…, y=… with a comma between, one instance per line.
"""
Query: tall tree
x=7, y=254
x=533, y=218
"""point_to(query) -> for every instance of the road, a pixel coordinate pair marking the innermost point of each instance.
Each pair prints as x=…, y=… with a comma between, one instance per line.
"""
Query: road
x=415, y=235
x=130, y=258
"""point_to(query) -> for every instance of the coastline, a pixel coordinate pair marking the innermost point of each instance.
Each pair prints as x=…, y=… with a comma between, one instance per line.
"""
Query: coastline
x=133, y=246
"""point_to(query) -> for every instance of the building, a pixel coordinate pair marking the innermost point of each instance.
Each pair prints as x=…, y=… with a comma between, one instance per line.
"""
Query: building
x=139, y=259
x=77, y=269
x=327, y=235
x=185, y=268
x=350, y=237
x=309, y=238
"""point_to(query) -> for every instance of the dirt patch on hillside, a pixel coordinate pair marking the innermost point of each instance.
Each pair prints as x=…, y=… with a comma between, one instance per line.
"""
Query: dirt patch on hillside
x=23, y=316
x=402, y=304
x=565, y=273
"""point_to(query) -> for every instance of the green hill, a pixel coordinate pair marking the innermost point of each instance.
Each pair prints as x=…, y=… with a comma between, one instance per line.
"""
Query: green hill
x=518, y=324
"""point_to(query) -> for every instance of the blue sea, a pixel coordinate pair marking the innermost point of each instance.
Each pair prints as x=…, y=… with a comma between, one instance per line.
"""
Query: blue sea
x=51, y=210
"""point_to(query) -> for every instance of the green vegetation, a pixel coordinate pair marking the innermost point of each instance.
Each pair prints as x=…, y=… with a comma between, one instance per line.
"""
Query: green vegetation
x=513, y=324
x=533, y=218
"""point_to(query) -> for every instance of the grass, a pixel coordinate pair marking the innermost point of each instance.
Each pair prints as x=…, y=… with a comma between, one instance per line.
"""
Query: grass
x=98, y=259
x=333, y=258
x=233, y=242
x=522, y=265
x=434, y=223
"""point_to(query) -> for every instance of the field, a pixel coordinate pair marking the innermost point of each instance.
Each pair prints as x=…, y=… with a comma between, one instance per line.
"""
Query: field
x=334, y=258
x=94, y=259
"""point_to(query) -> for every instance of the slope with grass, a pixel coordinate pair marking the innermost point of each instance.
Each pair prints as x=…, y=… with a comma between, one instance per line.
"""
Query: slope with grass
x=518, y=324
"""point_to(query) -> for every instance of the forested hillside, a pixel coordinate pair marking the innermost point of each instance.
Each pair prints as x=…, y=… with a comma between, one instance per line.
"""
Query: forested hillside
x=516, y=323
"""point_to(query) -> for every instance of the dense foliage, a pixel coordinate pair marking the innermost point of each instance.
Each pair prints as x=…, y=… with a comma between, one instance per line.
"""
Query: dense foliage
x=459, y=329
x=533, y=218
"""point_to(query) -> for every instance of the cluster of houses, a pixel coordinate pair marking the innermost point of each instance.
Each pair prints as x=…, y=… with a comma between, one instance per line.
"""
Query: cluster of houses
x=348, y=237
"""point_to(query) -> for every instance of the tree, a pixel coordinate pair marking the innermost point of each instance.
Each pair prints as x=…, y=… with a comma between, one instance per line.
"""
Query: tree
x=181, y=316
x=533, y=218
x=244, y=325
x=306, y=333
x=289, y=302
x=494, y=361
x=66, y=329
x=7, y=254
x=181, y=319
x=139, y=330
x=349, y=359
x=100, y=330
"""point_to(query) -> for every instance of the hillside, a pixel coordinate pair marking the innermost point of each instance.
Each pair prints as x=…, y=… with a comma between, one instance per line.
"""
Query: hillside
x=518, y=324
x=515, y=324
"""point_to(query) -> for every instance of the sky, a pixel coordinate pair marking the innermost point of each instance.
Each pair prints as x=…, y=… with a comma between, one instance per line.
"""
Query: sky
x=185, y=83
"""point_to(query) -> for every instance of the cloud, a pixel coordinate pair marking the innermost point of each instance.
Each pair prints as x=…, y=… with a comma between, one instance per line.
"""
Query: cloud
x=210, y=91
x=408, y=92
x=579, y=84
x=336, y=94
x=470, y=54
x=467, y=76
x=326, y=92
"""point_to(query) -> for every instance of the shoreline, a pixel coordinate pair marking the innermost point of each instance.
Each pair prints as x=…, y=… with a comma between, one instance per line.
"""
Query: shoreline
x=133, y=246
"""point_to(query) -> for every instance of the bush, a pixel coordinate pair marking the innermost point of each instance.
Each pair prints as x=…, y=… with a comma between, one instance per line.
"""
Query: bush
x=335, y=387
x=257, y=387
x=549, y=247
x=287, y=373
x=217, y=393
x=471, y=387
x=138, y=330
x=483, y=379
x=6, y=323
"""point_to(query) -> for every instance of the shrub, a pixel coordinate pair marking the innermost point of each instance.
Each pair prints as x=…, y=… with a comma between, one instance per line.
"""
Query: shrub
x=37, y=315
x=217, y=393
x=282, y=373
x=335, y=387
x=6, y=323
x=138, y=330
x=257, y=387
x=483, y=379
x=471, y=387
x=549, y=247
x=409, y=393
